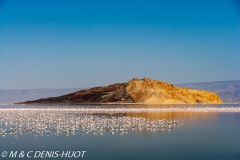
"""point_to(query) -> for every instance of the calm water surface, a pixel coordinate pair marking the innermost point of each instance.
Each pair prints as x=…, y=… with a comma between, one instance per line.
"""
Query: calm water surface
x=201, y=136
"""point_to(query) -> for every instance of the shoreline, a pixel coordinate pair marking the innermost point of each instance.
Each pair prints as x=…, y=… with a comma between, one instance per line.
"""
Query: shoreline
x=92, y=104
x=139, y=103
x=127, y=110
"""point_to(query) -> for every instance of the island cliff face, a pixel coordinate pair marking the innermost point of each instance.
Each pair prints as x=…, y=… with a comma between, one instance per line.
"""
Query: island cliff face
x=135, y=91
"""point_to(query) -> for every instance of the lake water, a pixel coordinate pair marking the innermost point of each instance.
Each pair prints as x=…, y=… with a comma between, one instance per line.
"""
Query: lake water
x=119, y=136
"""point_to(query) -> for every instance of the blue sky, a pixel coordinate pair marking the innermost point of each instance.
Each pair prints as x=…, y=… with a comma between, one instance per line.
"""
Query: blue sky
x=72, y=44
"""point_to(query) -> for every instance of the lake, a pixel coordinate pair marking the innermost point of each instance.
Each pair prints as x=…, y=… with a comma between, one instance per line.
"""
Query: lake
x=61, y=132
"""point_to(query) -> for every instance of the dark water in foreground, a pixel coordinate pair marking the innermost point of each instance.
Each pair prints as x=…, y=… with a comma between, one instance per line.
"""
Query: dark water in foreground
x=201, y=136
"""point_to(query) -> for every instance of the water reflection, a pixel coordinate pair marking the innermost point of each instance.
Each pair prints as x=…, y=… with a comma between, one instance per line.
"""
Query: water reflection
x=186, y=116
x=45, y=122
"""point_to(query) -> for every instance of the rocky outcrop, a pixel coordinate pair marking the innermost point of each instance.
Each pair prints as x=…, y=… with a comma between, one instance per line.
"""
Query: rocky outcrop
x=228, y=91
x=135, y=91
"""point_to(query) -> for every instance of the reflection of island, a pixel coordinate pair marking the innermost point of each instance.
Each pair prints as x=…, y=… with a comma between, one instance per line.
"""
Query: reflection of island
x=42, y=122
x=135, y=91
x=185, y=116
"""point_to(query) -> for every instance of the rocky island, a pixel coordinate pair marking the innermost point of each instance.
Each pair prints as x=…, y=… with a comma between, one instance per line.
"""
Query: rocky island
x=144, y=90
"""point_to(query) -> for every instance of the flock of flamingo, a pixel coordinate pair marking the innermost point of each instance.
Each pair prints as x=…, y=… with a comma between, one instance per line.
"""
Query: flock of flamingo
x=71, y=121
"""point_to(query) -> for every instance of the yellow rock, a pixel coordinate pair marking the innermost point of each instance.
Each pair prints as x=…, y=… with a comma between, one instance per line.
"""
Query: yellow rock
x=149, y=90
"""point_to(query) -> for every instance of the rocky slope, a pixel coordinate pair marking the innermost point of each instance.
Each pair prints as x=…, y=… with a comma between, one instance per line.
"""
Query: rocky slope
x=135, y=91
x=228, y=91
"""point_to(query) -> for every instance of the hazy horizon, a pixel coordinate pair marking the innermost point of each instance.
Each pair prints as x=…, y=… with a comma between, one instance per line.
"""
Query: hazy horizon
x=81, y=88
x=83, y=44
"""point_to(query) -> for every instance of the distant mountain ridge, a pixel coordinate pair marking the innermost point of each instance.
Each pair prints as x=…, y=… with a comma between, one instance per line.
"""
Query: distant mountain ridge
x=13, y=96
x=228, y=91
